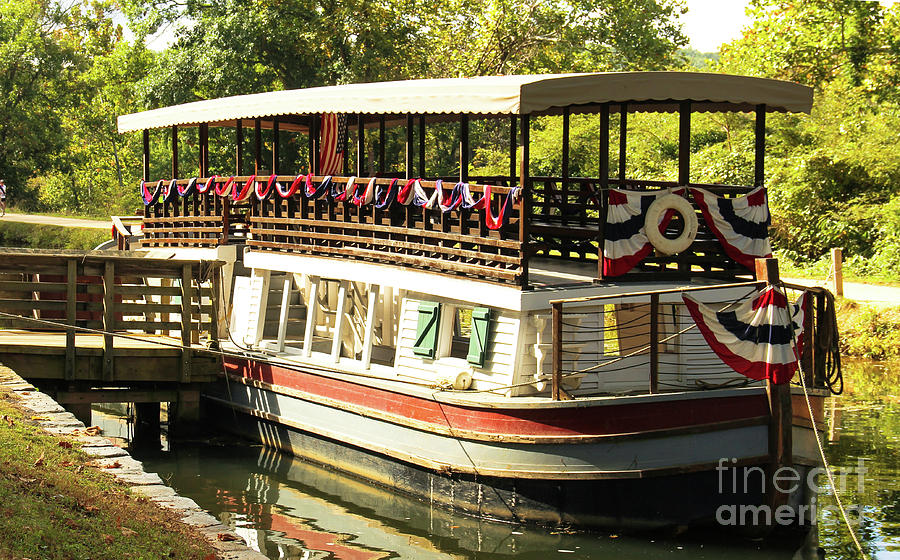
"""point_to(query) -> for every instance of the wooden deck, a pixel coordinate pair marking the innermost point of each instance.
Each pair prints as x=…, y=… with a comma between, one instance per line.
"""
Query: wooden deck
x=43, y=356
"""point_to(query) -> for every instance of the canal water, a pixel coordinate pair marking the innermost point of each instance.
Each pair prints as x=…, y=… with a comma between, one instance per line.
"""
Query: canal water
x=287, y=508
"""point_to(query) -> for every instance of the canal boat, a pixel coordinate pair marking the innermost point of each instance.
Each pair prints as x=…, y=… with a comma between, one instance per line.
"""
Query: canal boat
x=597, y=351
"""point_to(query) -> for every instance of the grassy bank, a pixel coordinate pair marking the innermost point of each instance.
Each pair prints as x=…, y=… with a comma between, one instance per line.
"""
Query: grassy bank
x=54, y=506
x=869, y=332
x=18, y=234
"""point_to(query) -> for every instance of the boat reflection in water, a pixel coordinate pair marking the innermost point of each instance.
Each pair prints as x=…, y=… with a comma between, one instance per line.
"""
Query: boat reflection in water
x=288, y=508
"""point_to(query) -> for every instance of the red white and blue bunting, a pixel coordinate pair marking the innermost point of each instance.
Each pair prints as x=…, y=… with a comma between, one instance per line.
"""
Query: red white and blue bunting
x=741, y=224
x=625, y=242
x=762, y=338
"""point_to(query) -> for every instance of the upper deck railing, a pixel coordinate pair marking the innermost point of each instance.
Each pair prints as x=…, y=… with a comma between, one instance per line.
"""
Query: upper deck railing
x=565, y=224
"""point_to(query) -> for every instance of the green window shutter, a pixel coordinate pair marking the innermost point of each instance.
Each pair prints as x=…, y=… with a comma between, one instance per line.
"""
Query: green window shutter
x=427, y=329
x=481, y=331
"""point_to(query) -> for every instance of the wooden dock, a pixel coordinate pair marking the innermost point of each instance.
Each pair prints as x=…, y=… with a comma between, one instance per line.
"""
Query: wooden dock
x=110, y=326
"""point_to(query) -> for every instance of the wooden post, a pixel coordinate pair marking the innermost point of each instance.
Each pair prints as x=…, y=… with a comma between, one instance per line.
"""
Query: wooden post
x=204, y=149
x=257, y=145
x=71, y=316
x=360, y=145
x=623, y=142
x=760, y=147
x=409, y=146
x=779, y=398
x=684, y=143
x=603, y=176
x=146, y=141
x=109, y=317
x=525, y=214
x=422, y=146
x=314, y=144
x=239, y=148
x=186, y=295
x=174, y=151
x=557, y=350
x=565, y=162
x=276, y=145
x=513, y=151
x=837, y=264
x=654, y=343
x=381, y=141
x=464, y=148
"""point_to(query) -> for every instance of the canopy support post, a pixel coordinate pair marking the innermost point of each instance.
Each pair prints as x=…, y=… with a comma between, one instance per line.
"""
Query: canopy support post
x=360, y=144
x=684, y=143
x=513, y=150
x=146, y=140
x=204, y=148
x=464, y=148
x=525, y=194
x=422, y=146
x=276, y=145
x=760, y=147
x=239, y=148
x=409, y=146
x=174, y=151
x=603, y=176
x=566, y=117
x=623, y=141
x=314, y=155
x=257, y=129
x=381, y=139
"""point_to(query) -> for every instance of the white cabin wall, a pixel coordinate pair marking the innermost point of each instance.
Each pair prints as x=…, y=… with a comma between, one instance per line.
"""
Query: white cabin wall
x=500, y=361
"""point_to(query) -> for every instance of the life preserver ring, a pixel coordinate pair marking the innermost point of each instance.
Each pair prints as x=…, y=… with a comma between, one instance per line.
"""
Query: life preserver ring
x=654, y=216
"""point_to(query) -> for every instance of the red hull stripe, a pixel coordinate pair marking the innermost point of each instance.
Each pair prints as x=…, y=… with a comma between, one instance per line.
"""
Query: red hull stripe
x=598, y=420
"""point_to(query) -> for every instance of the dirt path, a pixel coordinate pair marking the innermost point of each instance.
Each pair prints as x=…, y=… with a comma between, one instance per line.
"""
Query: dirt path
x=56, y=221
x=879, y=296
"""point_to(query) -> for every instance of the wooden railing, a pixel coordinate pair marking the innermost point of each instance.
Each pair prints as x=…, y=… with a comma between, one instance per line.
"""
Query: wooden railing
x=109, y=292
x=565, y=223
x=456, y=242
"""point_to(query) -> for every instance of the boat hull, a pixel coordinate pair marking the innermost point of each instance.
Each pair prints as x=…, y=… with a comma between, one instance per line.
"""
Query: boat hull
x=672, y=474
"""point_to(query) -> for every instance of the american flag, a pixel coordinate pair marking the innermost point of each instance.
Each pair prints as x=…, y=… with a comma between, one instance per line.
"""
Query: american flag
x=333, y=139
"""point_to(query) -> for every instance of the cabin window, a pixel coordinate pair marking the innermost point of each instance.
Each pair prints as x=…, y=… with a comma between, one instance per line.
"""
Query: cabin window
x=462, y=332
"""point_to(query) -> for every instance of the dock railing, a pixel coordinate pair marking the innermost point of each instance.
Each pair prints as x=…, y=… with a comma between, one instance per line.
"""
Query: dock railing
x=108, y=293
x=647, y=342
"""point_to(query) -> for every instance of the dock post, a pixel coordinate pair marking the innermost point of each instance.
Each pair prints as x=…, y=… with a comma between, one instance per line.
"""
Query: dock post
x=184, y=414
x=146, y=425
x=837, y=264
x=780, y=408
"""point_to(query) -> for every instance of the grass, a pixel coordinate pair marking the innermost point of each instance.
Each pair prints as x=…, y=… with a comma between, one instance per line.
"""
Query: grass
x=53, y=505
x=869, y=332
x=18, y=234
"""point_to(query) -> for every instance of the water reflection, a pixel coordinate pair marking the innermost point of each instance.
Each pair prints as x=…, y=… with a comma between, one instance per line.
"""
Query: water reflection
x=287, y=508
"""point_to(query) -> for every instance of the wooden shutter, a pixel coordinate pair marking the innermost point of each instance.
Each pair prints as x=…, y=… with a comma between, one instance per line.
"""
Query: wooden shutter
x=427, y=329
x=481, y=331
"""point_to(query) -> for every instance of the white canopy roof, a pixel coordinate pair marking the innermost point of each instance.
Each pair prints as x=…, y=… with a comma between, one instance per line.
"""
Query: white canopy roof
x=493, y=95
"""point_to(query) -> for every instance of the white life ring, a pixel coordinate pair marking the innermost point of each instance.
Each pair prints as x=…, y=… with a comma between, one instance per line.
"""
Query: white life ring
x=657, y=210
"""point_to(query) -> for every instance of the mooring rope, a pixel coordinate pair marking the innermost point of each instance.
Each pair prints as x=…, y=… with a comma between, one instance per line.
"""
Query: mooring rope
x=812, y=420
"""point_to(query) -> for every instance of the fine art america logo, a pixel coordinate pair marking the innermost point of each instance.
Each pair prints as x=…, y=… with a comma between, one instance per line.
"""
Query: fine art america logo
x=801, y=507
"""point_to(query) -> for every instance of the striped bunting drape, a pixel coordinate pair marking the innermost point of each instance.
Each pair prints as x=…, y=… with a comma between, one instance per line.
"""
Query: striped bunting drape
x=762, y=338
x=740, y=224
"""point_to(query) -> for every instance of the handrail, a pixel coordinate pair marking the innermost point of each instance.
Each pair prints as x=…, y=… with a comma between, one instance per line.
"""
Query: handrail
x=758, y=283
x=426, y=183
